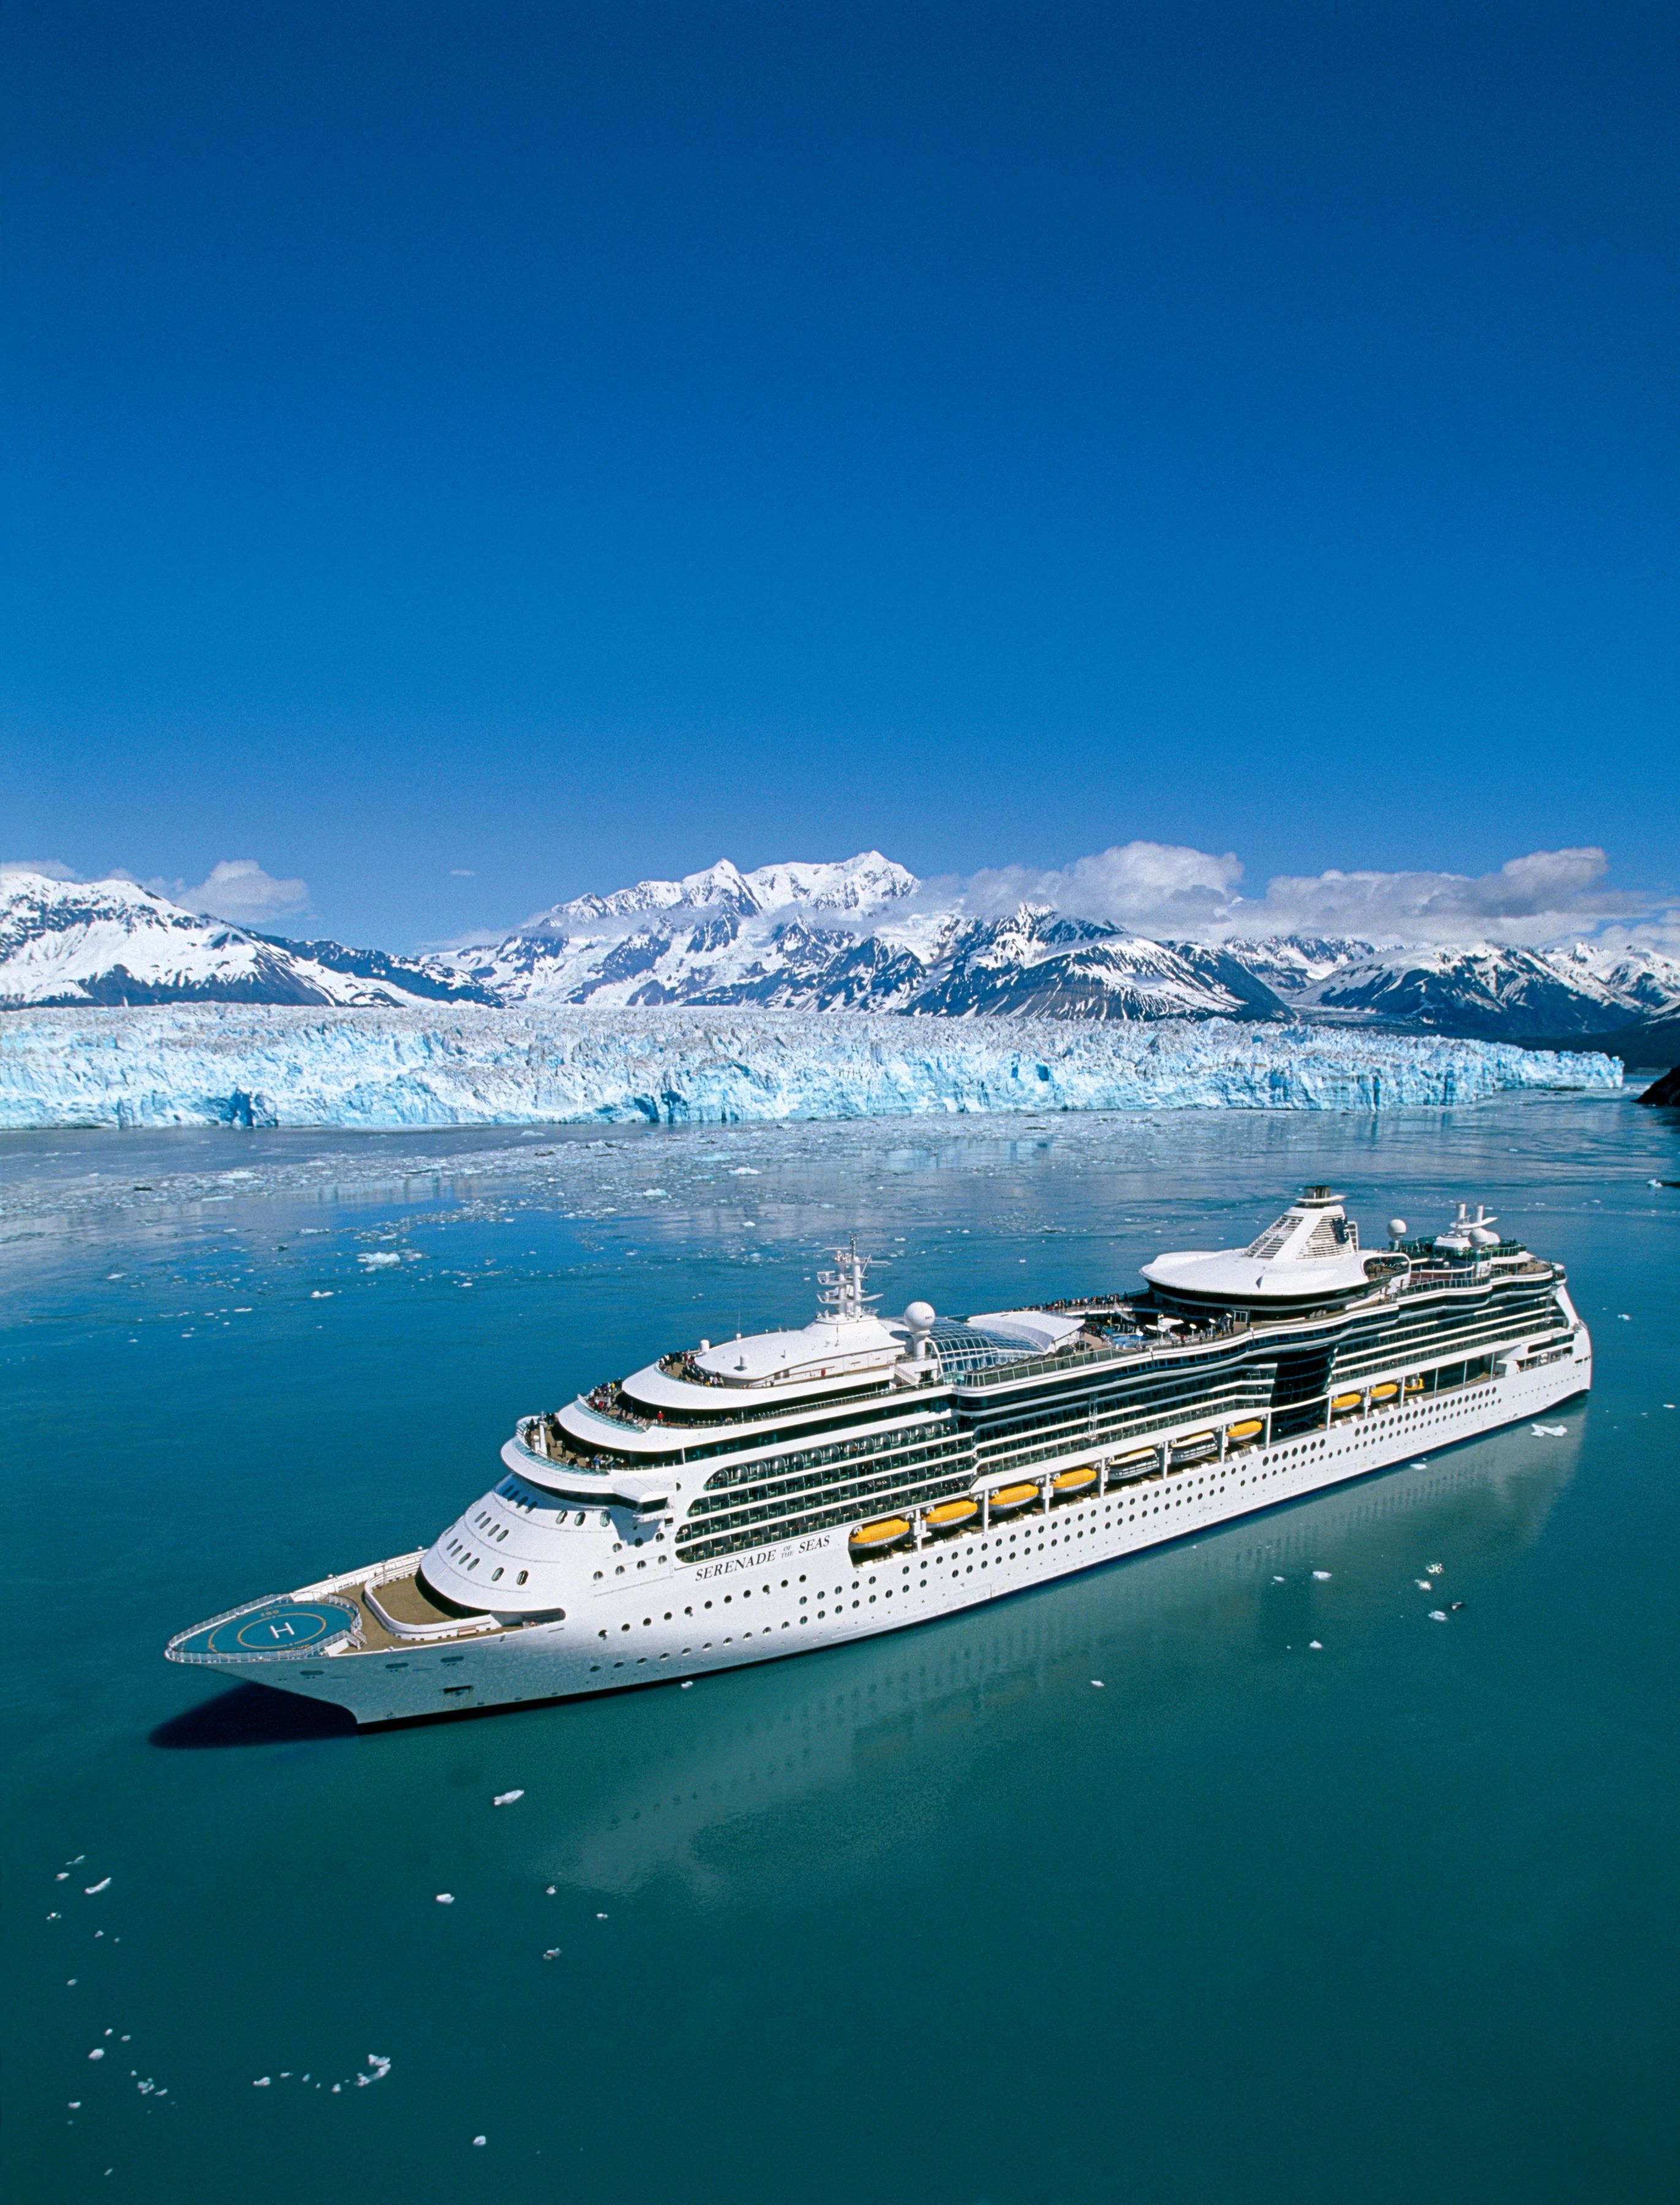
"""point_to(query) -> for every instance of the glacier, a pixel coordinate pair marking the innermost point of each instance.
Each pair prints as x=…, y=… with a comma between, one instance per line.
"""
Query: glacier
x=248, y=1064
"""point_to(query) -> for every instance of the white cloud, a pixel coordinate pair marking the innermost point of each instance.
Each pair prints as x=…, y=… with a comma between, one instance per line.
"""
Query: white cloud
x=48, y=868
x=1167, y=888
x=1534, y=899
x=1141, y=885
x=462, y=873
x=238, y=890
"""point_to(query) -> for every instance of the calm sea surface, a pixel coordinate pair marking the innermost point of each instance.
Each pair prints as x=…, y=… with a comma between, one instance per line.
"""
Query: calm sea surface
x=930, y=1918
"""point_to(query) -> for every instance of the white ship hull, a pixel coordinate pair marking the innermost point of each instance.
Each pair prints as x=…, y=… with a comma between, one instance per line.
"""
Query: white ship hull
x=805, y=1594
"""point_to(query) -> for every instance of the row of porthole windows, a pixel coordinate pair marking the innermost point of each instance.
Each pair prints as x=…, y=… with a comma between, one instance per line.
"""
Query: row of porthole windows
x=512, y=1491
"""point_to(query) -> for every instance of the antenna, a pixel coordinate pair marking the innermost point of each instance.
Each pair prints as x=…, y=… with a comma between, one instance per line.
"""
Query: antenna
x=842, y=1299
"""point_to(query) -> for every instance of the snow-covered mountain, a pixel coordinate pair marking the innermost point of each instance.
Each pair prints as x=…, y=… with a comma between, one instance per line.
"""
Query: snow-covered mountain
x=859, y=935
x=1492, y=990
x=864, y=936
x=855, y=935
x=114, y=943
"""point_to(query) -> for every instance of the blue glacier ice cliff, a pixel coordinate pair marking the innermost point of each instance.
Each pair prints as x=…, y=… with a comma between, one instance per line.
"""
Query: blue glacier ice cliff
x=197, y=1065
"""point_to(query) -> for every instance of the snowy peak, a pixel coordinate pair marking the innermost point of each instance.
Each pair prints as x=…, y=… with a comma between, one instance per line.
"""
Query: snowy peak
x=863, y=883
x=857, y=885
x=114, y=943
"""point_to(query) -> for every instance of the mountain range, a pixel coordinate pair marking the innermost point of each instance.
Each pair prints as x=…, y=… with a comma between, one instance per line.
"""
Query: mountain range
x=862, y=934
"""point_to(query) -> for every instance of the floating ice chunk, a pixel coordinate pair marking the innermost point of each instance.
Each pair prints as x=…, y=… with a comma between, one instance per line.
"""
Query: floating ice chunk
x=1623, y=1317
x=506, y=1799
x=744, y=1171
x=446, y=1898
x=97, y=2053
x=553, y=1953
x=1424, y=1584
x=321, y=1294
x=1316, y=1645
x=63, y=1877
x=551, y=1890
x=477, y=2140
x=1434, y=1568
x=600, y=1917
x=1323, y=1576
x=1437, y=1616
x=90, y=1888
x=1278, y=1580
x=688, y=1684
x=379, y=1261
x=1549, y=1432
x=1097, y=1683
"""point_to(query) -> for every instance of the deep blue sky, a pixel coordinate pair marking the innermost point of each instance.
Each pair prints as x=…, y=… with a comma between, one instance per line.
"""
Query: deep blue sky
x=568, y=443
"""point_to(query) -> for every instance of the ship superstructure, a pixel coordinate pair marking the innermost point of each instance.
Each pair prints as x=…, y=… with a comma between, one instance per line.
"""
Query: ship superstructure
x=782, y=1492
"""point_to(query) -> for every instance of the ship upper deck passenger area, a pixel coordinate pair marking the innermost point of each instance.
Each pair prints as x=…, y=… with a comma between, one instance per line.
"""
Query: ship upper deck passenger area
x=1310, y=1258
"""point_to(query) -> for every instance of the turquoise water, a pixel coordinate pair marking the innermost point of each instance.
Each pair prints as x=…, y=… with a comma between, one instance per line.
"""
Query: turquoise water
x=930, y=1918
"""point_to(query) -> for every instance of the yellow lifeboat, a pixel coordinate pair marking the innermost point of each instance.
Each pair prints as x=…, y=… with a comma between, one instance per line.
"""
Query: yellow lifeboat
x=950, y=1513
x=875, y=1538
x=1136, y=1459
x=1344, y=1405
x=1194, y=1447
x=1388, y=1391
x=1074, y=1481
x=1010, y=1497
x=1250, y=1428
x=1414, y=1386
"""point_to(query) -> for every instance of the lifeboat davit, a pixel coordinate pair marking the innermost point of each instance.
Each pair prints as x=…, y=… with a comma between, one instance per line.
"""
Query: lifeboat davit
x=1068, y=1481
x=1008, y=1498
x=875, y=1538
x=1250, y=1428
x=1345, y=1405
x=1414, y=1386
x=951, y=1514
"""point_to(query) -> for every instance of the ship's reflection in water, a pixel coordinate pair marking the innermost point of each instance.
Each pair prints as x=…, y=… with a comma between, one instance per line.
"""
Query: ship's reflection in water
x=747, y=1780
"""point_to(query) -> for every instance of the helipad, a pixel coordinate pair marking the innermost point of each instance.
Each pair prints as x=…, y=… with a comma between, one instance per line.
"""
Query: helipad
x=273, y=1631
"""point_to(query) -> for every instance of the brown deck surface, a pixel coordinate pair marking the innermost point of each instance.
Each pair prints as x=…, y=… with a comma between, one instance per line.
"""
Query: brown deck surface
x=403, y=1601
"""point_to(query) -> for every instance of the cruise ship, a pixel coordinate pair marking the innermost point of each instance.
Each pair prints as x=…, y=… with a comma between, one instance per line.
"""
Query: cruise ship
x=791, y=1490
